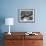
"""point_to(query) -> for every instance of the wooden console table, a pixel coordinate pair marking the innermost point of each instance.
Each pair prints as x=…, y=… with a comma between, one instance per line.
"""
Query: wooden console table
x=20, y=39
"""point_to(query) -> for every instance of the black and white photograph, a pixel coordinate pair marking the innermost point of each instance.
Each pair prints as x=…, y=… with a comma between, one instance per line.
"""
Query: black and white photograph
x=26, y=15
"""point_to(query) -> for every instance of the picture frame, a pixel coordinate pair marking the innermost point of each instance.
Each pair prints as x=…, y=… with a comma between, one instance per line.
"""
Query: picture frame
x=26, y=15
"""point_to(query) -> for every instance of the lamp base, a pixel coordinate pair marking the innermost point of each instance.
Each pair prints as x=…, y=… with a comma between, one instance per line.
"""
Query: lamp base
x=9, y=33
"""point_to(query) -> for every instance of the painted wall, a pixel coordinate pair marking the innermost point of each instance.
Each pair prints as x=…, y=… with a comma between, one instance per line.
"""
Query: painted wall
x=9, y=8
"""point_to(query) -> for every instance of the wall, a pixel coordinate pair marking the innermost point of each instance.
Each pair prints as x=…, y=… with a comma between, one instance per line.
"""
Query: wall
x=9, y=8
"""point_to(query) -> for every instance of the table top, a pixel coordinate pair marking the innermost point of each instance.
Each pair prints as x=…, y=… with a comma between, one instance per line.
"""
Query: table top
x=22, y=35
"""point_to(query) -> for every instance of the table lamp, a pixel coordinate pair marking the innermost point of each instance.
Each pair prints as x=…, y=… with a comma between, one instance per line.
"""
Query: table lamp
x=9, y=21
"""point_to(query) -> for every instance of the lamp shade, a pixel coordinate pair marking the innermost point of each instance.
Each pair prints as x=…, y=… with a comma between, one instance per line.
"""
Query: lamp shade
x=9, y=21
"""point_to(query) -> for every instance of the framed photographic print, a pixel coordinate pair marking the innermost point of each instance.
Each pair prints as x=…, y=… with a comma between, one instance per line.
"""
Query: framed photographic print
x=26, y=15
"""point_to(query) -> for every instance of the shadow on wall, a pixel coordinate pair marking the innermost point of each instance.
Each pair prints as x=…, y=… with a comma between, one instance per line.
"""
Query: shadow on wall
x=2, y=21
